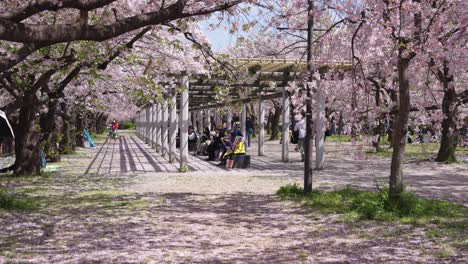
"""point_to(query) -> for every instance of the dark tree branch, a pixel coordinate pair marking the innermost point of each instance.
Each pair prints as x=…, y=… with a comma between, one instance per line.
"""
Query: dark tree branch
x=52, y=34
x=35, y=7
x=11, y=60
x=129, y=45
x=205, y=52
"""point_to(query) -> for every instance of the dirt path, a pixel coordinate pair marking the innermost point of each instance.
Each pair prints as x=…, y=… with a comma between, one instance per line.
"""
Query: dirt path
x=211, y=217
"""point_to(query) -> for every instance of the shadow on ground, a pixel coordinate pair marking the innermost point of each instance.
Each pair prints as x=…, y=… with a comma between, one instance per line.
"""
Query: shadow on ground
x=196, y=228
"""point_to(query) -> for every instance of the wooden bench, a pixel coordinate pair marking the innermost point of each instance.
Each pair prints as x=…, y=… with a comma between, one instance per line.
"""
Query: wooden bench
x=241, y=161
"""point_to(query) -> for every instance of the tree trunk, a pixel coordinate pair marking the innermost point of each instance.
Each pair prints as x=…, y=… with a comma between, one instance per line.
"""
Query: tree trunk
x=90, y=122
x=79, y=124
x=392, y=117
x=66, y=143
x=400, y=127
x=450, y=134
x=268, y=124
x=27, y=141
x=49, y=131
x=253, y=119
x=340, y=125
x=275, y=122
x=101, y=123
x=379, y=133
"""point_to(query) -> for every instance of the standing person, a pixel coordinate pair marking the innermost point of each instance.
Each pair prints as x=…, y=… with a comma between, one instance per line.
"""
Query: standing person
x=236, y=131
x=249, y=129
x=300, y=126
x=115, y=127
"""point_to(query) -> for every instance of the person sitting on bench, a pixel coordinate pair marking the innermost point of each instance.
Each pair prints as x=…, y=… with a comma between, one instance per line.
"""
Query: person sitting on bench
x=216, y=145
x=236, y=146
x=192, y=139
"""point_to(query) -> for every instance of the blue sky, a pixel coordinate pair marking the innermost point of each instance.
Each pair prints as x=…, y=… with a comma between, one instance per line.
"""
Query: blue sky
x=219, y=38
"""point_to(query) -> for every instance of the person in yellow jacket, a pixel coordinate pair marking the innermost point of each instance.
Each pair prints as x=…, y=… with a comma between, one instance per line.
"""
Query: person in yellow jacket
x=239, y=145
x=234, y=144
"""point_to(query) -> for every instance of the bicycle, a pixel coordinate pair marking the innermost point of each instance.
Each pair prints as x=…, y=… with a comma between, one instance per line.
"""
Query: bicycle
x=113, y=135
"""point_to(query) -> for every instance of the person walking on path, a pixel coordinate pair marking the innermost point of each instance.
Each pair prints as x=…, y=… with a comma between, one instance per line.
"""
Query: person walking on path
x=249, y=129
x=301, y=128
x=114, y=127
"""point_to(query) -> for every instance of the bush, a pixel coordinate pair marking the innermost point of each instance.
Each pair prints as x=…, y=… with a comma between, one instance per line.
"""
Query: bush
x=9, y=201
x=376, y=205
x=127, y=125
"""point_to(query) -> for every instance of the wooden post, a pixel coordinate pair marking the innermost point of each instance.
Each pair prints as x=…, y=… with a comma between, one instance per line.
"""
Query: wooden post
x=207, y=119
x=285, y=141
x=200, y=121
x=172, y=126
x=229, y=118
x=158, y=127
x=137, y=120
x=144, y=124
x=319, y=129
x=148, y=141
x=148, y=123
x=140, y=119
x=153, y=126
x=193, y=119
x=164, y=118
x=243, y=121
x=183, y=124
x=217, y=117
x=261, y=125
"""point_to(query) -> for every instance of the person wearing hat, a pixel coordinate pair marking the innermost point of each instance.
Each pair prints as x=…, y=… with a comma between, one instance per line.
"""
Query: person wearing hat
x=234, y=144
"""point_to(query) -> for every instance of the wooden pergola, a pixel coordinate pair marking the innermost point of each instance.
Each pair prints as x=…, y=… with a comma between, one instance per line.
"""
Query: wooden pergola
x=200, y=96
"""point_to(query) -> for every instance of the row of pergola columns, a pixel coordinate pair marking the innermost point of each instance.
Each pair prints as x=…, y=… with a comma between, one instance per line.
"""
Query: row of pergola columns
x=158, y=123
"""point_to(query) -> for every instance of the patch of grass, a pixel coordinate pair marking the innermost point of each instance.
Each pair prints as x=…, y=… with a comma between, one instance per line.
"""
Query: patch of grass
x=76, y=155
x=99, y=138
x=445, y=252
x=412, y=151
x=338, y=138
x=184, y=169
x=356, y=204
x=444, y=223
x=12, y=202
x=462, y=149
x=127, y=125
x=99, y=200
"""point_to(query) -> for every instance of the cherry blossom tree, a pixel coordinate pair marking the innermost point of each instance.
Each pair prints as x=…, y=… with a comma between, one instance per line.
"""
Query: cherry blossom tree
x=37, y=70
x=403, y=54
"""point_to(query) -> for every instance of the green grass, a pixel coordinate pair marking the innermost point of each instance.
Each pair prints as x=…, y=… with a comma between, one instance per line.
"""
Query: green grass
x=357, y=205
x=76, y=155
x=416, y=151
x=338, y=138
x=462, y=150
x=100, y=137
x=126, y=125
x=443, y=222
x=13, y=202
